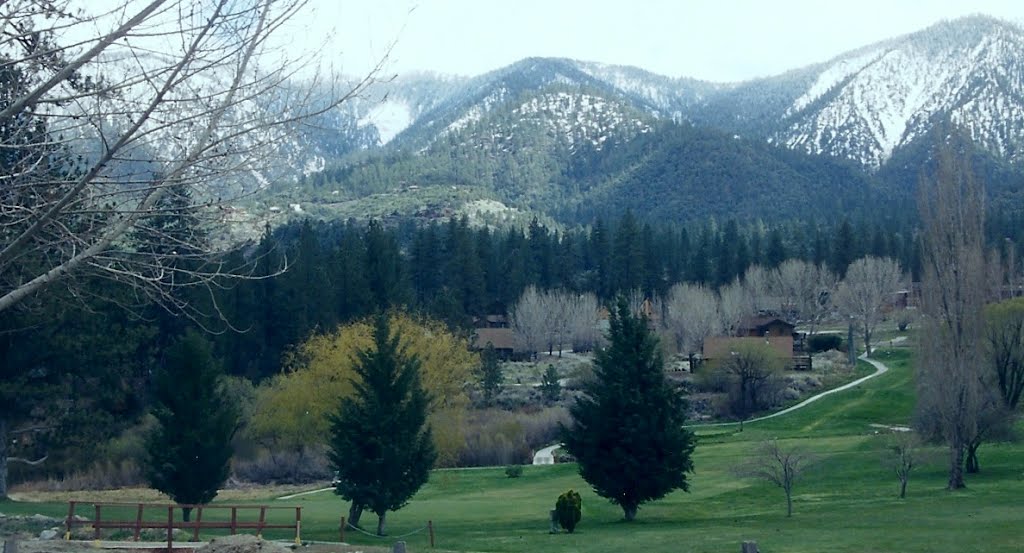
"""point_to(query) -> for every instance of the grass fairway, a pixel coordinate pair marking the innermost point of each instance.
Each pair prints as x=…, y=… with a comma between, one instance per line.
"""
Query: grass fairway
x=846, y=503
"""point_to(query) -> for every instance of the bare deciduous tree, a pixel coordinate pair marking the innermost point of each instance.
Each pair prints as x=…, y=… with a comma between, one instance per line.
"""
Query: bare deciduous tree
x=555, y=318
x=870, y=284
x=951, y=387
x=529, y=320
x=779, y=465
x=807, y=288
x=583, y=322
x=760, y=289
x=902, y=455
x=1004, y=335
x=753, y=369
x=110, y=111
x=734, y=305
x=690, y=316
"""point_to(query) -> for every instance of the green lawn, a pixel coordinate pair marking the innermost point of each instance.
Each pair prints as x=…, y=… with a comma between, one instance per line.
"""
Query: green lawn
x=846, y=503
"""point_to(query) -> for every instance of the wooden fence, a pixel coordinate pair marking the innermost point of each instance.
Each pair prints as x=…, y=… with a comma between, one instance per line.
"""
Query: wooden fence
x=140, y=522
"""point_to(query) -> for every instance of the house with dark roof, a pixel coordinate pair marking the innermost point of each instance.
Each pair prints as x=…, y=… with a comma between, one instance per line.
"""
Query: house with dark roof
x=778, y=334
x=502, y=339
x=765, y=327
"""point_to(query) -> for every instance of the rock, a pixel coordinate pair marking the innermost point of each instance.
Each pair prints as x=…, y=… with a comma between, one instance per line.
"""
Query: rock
x=48, y=534
x=241, y=543
x=80, y=518
x=43, y=518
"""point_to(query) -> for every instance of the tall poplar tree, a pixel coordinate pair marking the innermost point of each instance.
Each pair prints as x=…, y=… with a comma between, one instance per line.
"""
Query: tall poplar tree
x=627, y=432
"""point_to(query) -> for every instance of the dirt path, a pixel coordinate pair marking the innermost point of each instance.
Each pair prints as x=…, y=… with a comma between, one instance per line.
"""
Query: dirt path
x=546, y=456
x=880, y=369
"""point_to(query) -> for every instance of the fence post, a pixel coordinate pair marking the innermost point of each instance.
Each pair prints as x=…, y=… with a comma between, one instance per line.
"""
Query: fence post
x=263, y=520
x=234, y=520
x=341, y=530
x=96, y=524
x=138, y=522
x=170, y=528
x=399, y=547
x=430, y=529
x=298, y=526
x=199, y=519
x=749, y=547
x=71, y=520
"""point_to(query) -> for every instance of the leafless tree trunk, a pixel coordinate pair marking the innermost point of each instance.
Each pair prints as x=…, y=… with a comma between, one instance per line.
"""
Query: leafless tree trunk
x=778, y=465
x=950, y=383
x=903, y=456
x=870, y=284
x=111, y=111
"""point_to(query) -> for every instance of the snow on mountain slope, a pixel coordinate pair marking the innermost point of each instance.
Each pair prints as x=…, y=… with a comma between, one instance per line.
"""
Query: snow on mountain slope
x=390, y=117
x=575, y=117
x=866, y=104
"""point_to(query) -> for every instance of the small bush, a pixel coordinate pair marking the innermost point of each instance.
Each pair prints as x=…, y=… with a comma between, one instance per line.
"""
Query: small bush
x=711, y=380
x=569, y=511
x=309, y=465
x=514, y=471
x=824, y=342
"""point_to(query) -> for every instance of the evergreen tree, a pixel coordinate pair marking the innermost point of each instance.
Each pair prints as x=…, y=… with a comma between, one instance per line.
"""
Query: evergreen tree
x=627, y=432
x=628, y=255
x=844, y=248
x=188, y=453
x=381, y=445
x=489, y=373
x=550, y=387
x=775, y=254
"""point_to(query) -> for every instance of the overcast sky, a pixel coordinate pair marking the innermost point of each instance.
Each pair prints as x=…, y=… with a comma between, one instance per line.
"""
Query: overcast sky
x=723, y=40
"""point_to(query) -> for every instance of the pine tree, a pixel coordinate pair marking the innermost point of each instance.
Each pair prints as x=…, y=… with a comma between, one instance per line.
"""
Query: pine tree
x=489, y=373
x=627, y=432
x=550, y=387
x=188, y=453
x=381, y=445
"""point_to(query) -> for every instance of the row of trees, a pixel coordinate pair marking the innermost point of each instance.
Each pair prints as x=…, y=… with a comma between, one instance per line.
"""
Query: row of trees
x=690, y=313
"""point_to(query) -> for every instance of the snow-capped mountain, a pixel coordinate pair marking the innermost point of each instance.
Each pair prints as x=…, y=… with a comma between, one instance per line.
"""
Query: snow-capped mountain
x=576, y=139
x=865, y=104
x=861, y=106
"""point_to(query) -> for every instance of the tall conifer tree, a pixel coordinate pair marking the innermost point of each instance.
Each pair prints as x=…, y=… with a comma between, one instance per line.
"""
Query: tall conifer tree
x=381, y=445
x=188, y=453
x=627, y=432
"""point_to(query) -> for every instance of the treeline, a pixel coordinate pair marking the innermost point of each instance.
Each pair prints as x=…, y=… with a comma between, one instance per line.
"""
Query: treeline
x=451, y=271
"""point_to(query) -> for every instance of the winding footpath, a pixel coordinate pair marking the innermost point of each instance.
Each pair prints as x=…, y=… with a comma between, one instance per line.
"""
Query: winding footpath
x=880, y=369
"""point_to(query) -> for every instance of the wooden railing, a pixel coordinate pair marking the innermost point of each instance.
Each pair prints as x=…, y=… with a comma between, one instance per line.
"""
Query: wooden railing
x=140, y=522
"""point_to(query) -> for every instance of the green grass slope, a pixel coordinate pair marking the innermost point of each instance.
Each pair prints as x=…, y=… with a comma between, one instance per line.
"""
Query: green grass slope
x=846, y=503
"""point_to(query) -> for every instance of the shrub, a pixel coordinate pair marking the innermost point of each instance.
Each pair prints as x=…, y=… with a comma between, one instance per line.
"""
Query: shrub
x=568, y=509
x=514, y=471
x=285, y=467
x=824, y=342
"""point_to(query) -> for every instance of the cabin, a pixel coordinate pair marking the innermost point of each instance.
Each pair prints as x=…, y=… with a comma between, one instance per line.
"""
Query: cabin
x=778, y=334
x=502, y=339
x=773, y=327
x=491, y=321
x=721, y=347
